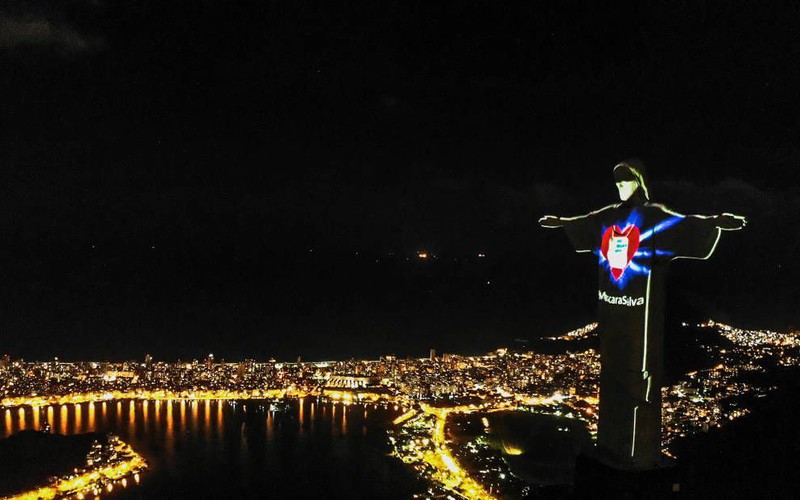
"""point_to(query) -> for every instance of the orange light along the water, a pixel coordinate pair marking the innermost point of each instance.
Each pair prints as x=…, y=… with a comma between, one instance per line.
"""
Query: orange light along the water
x=8, y=421
x=302, y=420
x=78, y=420
x=207, y=418
x=146, y=419
x=62, y=418
x=160, y=394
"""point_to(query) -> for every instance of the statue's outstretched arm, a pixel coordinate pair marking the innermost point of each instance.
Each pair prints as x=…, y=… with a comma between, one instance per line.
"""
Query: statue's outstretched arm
x=696, y=236
x=552, y=221
x=723, y=222
x=730, y=222
x=582, y=230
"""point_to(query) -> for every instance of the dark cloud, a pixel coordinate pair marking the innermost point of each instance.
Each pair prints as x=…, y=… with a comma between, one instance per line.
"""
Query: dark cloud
x=23, y=32
x=46, y=25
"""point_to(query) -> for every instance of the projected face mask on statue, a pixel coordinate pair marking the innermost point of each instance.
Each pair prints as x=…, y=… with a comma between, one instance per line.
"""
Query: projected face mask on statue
x=626, y=180
x=626, y=189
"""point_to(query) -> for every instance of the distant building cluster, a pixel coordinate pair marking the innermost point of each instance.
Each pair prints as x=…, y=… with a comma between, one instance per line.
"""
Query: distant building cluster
x=496, y=376
x=577, y=334
x=708, y=398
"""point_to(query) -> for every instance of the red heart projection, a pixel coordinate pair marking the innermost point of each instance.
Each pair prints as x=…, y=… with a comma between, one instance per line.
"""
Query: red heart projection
x=618, y=248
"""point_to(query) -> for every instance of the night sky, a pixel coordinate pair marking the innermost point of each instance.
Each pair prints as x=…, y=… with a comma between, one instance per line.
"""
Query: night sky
x=250, y=178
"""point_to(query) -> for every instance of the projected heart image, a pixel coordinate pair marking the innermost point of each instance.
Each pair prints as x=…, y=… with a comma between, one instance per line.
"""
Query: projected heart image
x=619, y=247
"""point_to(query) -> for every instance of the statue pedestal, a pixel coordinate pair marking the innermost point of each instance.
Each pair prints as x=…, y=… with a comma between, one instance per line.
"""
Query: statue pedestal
x=597, y=475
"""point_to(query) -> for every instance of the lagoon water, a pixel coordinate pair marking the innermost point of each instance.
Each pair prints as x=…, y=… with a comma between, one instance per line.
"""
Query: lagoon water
x=242, y=449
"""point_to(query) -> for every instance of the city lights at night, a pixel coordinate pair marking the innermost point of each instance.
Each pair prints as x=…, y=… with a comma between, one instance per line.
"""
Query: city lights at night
x=429, y=392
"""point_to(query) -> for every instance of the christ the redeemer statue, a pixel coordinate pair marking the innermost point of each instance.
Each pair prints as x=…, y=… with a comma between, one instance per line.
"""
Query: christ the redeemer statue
x=635, y=241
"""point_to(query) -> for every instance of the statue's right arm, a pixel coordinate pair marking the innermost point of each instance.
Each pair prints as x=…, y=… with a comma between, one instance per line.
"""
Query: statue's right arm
x=551, y=221
x=554, y=221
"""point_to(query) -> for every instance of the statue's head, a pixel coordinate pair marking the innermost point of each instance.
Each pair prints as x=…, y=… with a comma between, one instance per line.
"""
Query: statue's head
x=630, y=178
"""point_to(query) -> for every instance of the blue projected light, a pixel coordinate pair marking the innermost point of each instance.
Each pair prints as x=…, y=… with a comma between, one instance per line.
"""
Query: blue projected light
x=634, y=268
x=646, y=252
x=661, y=226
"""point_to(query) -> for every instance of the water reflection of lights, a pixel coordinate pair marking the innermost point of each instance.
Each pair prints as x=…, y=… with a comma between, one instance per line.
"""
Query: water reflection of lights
x=194, y=413
x=219, y=416
x=207, y=418
x=63, y=419
x=78, y=419
x=183, y=414
x=302, y=420
x=134, y=416
x=145, y=419
x=169, y=418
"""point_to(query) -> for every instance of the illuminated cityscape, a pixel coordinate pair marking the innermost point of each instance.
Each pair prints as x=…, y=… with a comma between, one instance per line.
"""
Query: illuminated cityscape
x=431, y=392
x=310, y=249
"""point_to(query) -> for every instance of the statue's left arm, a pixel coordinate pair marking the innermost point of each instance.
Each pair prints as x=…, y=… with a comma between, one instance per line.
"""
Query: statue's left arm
x=695, y=236
x=730, y=222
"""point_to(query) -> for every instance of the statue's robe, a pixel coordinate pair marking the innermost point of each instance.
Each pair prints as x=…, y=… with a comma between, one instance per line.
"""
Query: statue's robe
x=634, y=244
